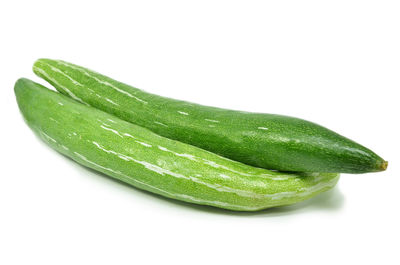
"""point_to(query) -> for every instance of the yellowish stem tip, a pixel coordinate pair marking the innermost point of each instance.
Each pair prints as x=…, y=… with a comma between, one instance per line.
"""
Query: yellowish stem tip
x=384, y=165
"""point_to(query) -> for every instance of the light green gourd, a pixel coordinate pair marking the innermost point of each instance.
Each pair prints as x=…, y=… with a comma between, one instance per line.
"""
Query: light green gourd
x=151, y=162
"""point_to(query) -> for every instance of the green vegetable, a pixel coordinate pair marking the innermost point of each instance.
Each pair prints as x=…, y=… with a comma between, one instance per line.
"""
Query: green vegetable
x=262, y=140
x=150, y=162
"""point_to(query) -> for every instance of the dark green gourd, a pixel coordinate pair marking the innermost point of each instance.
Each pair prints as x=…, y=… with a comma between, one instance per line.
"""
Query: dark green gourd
x=262, y=140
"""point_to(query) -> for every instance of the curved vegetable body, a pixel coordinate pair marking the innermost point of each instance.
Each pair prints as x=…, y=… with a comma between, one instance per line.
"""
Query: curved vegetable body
x=262, y=140
x=148, y=161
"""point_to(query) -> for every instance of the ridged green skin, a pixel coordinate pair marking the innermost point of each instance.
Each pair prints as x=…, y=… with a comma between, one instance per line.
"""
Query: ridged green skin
x=263, y=140
x=151, y=162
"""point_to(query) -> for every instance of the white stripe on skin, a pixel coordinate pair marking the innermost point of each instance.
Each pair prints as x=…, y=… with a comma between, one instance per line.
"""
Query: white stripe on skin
x=112, y=102
x=217, y=187
x=160, y=123
x=72, y=95
x=55, y=69
x=112, y=130
x=211, y=120
x=170, y=194
x=100, y=81
x=144, y=144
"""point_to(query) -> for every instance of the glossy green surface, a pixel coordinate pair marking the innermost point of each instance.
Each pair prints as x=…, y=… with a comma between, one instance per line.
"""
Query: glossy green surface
x=148, y=161
x=262, y=140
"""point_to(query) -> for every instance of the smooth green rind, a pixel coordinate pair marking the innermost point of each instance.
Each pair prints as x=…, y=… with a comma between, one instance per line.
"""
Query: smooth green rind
x=150, y=162
x=263, y=140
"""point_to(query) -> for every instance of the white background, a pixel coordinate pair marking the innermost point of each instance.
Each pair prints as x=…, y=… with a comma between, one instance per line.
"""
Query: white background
x=336, y=63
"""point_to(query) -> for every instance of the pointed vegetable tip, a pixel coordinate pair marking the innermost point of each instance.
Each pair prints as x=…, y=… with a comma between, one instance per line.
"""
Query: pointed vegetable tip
x=384, y=165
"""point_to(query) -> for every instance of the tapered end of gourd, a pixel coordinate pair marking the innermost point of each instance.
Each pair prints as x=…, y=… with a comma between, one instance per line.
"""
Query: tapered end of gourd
x=383, y=165
x=39, y=65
